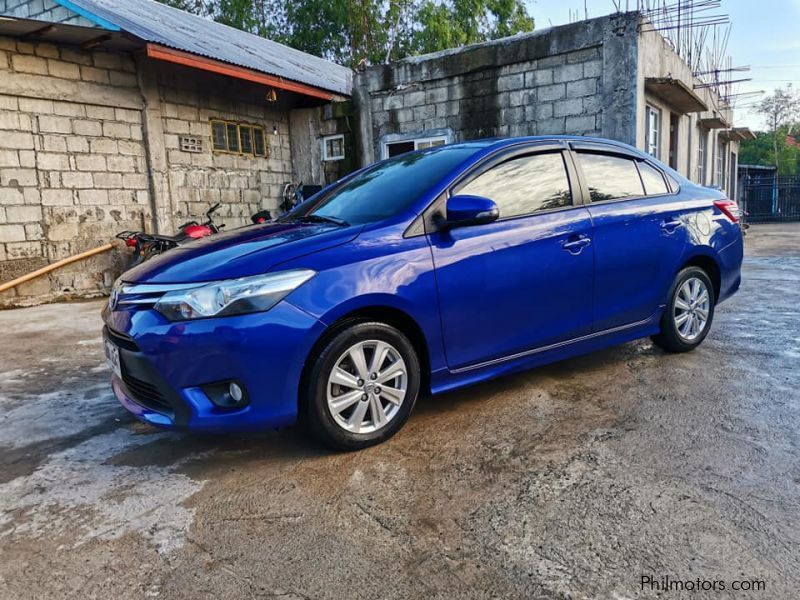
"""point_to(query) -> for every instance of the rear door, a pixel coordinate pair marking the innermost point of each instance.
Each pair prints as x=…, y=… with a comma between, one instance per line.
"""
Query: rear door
x=524, y=281
x=639, y=234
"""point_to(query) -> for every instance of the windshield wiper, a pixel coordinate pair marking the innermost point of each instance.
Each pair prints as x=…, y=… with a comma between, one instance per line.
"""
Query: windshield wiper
x=312, y=218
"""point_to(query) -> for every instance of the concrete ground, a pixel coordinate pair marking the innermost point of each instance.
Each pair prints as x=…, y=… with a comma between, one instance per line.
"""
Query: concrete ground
x=570, y=481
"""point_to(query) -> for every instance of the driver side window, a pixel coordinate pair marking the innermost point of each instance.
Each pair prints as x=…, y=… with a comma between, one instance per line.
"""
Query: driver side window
x=524, y=185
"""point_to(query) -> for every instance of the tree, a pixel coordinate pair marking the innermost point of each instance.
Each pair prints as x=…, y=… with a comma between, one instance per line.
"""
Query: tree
x=780, y=110
x=761, y=151
x=344, y=31
x=352, y=32
x=197, y=7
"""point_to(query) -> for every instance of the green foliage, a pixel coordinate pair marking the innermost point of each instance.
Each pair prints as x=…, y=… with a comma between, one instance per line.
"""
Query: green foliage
x=761, y=151
x=198, y=7
x=352, y=32
x=236, y=13
x=781, y=111
x=345, y=31
x=757, y=151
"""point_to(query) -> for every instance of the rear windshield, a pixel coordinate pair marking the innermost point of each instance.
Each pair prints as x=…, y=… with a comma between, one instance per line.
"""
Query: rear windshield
x=387, y=188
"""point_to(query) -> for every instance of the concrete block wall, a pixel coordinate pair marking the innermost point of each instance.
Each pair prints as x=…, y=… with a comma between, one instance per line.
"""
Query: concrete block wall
x=243, y=184
x=308, y=128
x=76, y=159
x=72, y=164
x=574, y=79
x=552, y=95
x=337, y=118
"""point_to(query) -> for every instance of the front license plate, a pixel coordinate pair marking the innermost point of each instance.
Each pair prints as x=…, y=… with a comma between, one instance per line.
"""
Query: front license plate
x=112, y=356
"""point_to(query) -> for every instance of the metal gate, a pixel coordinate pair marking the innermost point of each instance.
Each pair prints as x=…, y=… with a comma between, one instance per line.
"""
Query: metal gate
x=771, y=199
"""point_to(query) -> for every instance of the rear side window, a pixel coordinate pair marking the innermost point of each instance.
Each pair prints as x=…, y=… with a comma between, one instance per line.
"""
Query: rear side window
x=524, y=185
x=673, y=182
x=610, y=177
x=653, y=180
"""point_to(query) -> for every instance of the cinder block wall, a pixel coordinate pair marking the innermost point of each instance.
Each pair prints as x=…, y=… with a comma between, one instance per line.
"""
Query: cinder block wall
x=242, y=184
x=575, y=79
x=72, y=164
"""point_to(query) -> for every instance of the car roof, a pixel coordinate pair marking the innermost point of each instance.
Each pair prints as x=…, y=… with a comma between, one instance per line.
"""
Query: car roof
x=488, y=145
x=492, y=144
x=503, y=142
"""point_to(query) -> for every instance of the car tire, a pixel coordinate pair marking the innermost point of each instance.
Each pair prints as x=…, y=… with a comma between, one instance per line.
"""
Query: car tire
x=686, y=322
x=332, y=409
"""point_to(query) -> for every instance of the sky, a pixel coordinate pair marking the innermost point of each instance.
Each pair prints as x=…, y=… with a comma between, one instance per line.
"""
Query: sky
x=765, y=35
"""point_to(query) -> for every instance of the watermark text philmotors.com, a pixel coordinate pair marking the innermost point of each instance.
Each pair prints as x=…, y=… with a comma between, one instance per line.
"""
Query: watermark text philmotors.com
x=666, y=583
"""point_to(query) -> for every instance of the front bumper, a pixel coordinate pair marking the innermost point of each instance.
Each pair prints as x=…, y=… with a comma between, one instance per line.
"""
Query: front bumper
x=166, y=364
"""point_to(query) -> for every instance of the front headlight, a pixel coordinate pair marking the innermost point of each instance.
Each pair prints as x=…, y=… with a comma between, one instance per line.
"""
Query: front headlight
x=232, y=297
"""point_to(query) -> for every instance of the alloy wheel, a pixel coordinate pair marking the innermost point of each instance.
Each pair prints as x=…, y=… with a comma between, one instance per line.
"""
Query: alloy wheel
x=691, y=308
x=367, y=386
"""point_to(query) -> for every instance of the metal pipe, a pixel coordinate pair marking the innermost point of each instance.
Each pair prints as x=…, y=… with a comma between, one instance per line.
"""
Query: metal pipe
x=56, y=265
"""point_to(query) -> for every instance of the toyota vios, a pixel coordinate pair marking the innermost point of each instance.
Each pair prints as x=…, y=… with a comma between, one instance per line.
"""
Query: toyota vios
x=422, y=273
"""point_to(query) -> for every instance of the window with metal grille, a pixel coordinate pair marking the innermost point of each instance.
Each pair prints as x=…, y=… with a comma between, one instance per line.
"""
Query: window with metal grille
x=246, y=139
x=238, y=138
x=259, y=144
x=218, y=135
x=333, y=147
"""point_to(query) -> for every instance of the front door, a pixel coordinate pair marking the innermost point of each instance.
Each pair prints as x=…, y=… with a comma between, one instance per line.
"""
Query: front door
x=524, y=281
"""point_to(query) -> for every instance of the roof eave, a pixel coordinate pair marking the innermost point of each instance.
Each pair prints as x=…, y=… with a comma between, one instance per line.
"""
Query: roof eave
x=113, y=16
x=675, y=93
x=745, y=133
x=716, y=121
x=164, y=53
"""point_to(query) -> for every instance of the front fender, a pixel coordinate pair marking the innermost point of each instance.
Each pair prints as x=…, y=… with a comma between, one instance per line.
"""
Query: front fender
x=357, y=277
x=368, y=301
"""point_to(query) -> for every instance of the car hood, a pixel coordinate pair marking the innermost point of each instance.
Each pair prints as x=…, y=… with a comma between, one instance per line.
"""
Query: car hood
x=239, y=253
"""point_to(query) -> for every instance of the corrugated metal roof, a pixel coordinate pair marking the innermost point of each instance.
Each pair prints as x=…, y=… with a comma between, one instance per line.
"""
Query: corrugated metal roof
x=160, y=24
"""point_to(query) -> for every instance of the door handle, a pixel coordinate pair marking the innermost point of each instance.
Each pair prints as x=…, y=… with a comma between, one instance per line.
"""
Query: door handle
x=574, y=246
x=670, y=226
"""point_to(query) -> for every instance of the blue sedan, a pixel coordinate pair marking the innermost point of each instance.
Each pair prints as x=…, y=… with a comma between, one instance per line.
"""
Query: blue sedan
x=426, y=272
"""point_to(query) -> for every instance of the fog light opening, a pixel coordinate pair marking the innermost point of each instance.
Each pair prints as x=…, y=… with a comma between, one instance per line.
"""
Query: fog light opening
x=227, y=394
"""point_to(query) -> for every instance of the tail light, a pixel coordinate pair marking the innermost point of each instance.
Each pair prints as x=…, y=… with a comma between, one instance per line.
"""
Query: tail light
x=729, y=208
x=130, y=242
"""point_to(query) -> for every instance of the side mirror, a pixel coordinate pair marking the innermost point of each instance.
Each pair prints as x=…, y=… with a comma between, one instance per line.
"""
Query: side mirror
x=464, y=210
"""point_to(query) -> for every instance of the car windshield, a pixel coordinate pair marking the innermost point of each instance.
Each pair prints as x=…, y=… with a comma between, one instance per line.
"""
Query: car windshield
x=384, y=190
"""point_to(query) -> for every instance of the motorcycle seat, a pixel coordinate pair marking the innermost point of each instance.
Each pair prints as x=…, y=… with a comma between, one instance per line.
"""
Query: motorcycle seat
x=175, y=239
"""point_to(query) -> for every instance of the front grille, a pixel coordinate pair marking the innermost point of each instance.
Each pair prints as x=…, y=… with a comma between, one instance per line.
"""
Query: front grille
x=145, y=393
x=137, y=374
x=121, y=340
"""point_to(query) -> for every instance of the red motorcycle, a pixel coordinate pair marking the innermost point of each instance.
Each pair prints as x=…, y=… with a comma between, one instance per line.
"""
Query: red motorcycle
x=147, y=245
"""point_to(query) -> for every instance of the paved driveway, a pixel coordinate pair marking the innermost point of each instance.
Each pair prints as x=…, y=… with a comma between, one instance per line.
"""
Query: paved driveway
x=570, y=481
